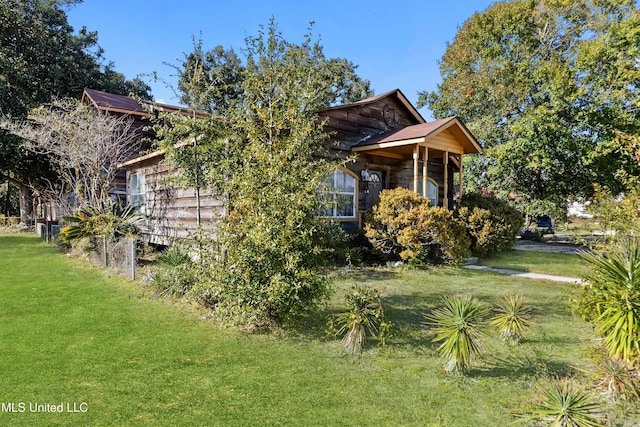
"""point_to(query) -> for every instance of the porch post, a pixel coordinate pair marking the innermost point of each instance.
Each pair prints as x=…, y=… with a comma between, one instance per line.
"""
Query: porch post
x=424, y=171
x=416, y=155
x=460, y=175
x=445, y=197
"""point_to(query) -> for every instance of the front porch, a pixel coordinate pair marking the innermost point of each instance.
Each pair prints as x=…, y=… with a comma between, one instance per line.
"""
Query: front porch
x=423, y=158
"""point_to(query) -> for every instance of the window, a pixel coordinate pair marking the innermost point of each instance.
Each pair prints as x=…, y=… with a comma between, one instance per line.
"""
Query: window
x=137, y=191
x=432, y=190
x=340, y=195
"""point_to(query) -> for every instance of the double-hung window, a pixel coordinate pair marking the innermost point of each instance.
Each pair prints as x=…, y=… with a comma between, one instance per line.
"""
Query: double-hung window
x=137, y=191
x=340, y=195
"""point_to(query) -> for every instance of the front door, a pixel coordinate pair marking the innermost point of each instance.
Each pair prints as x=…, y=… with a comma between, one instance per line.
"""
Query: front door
x=373, y=183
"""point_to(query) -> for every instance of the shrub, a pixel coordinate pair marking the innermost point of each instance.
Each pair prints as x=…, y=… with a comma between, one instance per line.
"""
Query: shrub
x=618, y=380
x=458, y=326
x=562, y=403
x=107, y=220
x=611, y=299
x=492, y=223
x=365, y=315
x=512, y=318
x=403, y=224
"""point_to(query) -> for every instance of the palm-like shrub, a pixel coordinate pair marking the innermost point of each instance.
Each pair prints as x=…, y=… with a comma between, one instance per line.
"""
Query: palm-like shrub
x=618, y=380
x=561, y=403
x=107, y=220
x=365, y=315
x=458, y=326
x=512, y=318
x=611, y=299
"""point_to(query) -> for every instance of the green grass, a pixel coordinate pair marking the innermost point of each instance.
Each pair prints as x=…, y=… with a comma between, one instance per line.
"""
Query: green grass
x=539, y=262
x=71, y=334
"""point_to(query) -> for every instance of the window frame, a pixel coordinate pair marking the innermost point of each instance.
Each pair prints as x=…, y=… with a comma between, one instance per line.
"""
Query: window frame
x=137, y=195
x=335, y=192
x=432, y=181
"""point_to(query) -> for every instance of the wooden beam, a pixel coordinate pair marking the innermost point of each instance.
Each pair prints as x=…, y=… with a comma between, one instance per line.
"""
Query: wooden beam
x=445, y=198
x=425, y=161
x=461, y=170
x=416, y=156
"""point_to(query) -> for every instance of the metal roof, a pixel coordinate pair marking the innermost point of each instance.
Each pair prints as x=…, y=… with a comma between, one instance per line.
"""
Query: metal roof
x=127, y=105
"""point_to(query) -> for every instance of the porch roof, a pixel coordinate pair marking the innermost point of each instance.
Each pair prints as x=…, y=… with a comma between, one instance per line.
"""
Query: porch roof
x=457, y=138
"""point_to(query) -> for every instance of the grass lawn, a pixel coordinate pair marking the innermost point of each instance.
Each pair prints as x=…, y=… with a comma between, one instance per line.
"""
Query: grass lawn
x=70, y=334
x=539, y=262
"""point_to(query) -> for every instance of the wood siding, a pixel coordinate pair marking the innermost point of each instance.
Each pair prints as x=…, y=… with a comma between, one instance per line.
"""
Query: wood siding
x=173, y=210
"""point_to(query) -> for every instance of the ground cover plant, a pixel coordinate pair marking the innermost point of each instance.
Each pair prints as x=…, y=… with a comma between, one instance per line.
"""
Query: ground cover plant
x=71, y=334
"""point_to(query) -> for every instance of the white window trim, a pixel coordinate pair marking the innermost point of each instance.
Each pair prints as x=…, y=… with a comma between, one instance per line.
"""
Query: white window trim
x=353, y=194
x=419, y=181
x=138, y=194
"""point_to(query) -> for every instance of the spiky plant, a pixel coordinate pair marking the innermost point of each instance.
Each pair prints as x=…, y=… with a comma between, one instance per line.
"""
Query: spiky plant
x=108, y=219
x=561, y=403
x=611, y=299
x=618, y=379
x=512, y=318
x=365, y=315
x=458, y=326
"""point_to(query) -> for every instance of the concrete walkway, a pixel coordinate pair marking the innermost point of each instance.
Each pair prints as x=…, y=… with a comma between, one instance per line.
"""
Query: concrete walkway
x=528, y=245
x=518, y=273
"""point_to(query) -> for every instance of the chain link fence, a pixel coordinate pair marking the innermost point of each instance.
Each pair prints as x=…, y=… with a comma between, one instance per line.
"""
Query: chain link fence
x=119, y=256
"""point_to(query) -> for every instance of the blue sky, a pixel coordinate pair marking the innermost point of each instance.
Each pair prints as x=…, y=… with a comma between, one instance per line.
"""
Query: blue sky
x=396, y=44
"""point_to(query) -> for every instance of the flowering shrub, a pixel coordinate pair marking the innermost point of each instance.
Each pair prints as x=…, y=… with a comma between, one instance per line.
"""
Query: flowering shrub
x=404, y=225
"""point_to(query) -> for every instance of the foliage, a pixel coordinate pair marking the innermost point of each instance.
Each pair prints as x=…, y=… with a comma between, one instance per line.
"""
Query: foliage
x=619, y=214
x=561, y=403
x=458, y=326
x=365, y=314
x=177, y=274
x=611, y=299
x=491, y=222
x=403, y=224
x=549, y=88
x=618, y=379
x=84, y=146
x=512, y=318
x=41, y=58
x=261, y=154
x=107, y=220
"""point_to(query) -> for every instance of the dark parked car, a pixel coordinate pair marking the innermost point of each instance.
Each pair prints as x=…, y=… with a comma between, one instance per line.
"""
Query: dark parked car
x=546, y=222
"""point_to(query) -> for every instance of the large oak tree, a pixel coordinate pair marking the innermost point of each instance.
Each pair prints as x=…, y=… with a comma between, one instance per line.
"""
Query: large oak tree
x=41, y=57
x=550, y=88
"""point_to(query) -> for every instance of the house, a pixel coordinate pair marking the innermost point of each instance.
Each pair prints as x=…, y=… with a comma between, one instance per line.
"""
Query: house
x=395, y=147
x=141, y=112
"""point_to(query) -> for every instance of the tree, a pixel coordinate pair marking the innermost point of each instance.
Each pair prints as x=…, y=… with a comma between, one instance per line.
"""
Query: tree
x=262, y=156
x=546, y=87
x=83, y=144
x=41, y=58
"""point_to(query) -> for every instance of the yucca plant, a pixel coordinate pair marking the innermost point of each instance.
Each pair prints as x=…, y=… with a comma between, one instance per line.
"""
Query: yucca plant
x=107, y=220
x=365, y=315
x=618, y=379
x=611, y=299
x=560, y=403
x=512, y=318
x=458, y=326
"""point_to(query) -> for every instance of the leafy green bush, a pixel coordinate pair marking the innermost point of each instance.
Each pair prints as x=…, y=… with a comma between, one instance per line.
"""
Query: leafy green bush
x=403, y=224
x=458, y=325
x=365, y=314
x=492, y=223
x=611, y=299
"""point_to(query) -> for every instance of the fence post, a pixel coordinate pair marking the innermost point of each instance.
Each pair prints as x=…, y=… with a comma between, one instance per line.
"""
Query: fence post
x=104, y=251
x=132, y=257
